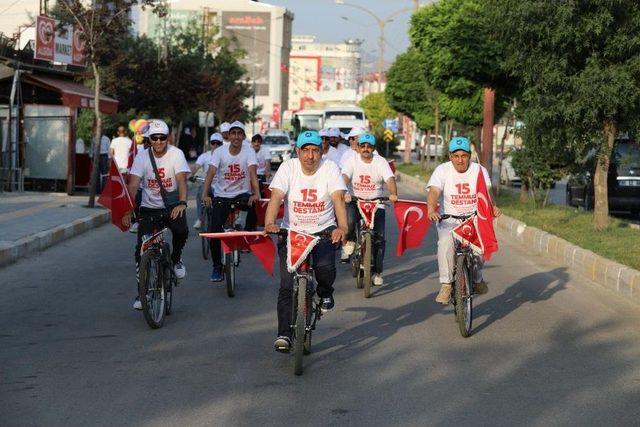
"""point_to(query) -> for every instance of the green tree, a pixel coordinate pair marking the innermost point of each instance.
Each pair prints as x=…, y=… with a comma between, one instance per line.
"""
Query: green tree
x=377, y=109
x=578, y=64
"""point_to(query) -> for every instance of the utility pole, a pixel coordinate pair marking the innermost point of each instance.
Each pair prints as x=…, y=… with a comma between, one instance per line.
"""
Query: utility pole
x=486, y=154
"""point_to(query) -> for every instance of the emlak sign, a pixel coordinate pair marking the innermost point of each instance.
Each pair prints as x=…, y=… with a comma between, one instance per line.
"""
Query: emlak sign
x=64, y=46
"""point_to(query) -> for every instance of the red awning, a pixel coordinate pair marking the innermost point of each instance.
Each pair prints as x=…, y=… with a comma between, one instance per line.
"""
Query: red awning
x=74, y=94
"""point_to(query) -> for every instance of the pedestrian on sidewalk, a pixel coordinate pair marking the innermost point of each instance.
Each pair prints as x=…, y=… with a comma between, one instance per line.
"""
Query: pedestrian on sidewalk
x=119, y=150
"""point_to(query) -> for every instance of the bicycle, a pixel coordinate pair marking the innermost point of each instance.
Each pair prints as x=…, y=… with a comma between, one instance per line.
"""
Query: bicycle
x=463, y=273
x=235, y=222
x=205, y=220
x=303, y=321
x=157, y=278
x=362, y=257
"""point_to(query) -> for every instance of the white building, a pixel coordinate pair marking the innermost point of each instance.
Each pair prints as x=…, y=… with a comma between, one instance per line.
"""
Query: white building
x=322, y=73
x=262, y=30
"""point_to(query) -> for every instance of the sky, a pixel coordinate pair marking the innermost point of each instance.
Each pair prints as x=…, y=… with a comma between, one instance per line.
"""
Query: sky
x=323, y=19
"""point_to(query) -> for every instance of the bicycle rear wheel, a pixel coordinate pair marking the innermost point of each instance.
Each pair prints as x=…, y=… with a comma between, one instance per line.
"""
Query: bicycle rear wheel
x=462, y=295
x=168, y=284
x=151, y=290
x=366, y=264
x=230, y=274
x=309, y=310
x=204, y=221
x=299, y=328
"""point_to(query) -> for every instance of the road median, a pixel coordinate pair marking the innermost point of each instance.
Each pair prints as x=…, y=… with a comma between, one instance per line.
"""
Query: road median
x=617, y=277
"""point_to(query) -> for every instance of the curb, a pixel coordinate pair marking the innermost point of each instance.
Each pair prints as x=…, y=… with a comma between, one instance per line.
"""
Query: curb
x=605, y=272
x=44, y=239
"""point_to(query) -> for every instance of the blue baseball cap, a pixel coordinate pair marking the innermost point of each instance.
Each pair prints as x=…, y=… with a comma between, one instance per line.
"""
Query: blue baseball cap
x=366, y=138
x=459, y=143
x=308, y=137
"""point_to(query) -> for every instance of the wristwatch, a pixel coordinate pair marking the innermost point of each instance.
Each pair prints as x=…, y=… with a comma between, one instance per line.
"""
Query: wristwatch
x=182, y=202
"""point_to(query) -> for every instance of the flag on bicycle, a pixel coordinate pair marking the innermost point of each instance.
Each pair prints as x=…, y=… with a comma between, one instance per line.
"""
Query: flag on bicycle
x=367, y=209
x=484, y=219
x=413, y=224
x=467, y=233
x=298, y=248
x=260, y=207
x=115, y=197
x=254, y=241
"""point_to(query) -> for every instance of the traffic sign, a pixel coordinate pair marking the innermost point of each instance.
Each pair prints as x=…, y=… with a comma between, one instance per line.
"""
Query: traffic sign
x=391, y=124
x=388, y=135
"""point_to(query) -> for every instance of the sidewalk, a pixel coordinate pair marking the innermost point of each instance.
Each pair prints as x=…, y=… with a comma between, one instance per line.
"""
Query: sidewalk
x=31, y=222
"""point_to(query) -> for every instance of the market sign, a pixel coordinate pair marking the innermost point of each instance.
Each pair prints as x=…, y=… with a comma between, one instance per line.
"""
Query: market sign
x=64, y=46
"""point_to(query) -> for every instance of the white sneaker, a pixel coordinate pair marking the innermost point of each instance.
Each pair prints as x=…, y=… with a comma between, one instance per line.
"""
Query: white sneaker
x=348, y=248
x=180, y=270
x=377, y=279
x=137, y=305
x=133, y=228
x=197, y=224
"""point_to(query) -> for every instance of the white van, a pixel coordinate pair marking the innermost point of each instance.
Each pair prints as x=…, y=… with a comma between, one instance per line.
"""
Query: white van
x=345, y=118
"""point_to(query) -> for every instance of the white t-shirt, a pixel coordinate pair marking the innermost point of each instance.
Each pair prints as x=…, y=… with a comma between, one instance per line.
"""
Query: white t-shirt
x=342, y=148
x=121, y=147
x=458, y=189
x=332, y=155
x=262, y=156
x=232, y=172
x=203, y=161
x=172, y=163
x=367, y=179
x=309, y=207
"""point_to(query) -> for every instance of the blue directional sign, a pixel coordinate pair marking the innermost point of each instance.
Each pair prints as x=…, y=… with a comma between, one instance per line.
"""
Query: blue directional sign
x=391, y=124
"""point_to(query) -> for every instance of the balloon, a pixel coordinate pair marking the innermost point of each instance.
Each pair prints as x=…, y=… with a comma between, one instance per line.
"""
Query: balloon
x=132, y=125
x=140, y=125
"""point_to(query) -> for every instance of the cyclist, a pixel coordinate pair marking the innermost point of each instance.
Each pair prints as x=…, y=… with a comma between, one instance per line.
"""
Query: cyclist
x=328, y=151
x=224, y=131
x=234, y=167
x=456, y=180
x=334, y=140
x=367, y=173
x=313, y=199
x=352, y=136
x=203, y=162
x=172, y=169
x=263, y=156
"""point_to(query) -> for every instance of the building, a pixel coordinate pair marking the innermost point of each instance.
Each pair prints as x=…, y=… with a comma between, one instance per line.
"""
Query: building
x=322, y=73
x=260, y=29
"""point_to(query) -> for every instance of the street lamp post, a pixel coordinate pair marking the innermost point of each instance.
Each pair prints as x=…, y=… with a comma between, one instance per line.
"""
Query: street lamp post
x=381, y=23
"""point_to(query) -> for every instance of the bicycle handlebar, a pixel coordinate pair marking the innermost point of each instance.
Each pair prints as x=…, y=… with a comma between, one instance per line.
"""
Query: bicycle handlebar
x=460, y=217
x=380, y=199
x=322, y=234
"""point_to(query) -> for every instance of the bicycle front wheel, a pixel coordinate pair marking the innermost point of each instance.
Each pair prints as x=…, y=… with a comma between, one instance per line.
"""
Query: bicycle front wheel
x=300, y=325
x=366, y=265
x=462, y=297
x=151, y=290
x=230, y=274
x=204, y=221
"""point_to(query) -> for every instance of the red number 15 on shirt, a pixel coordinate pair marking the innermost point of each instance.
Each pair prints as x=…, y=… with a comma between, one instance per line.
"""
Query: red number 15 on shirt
x=463, y=188
x=309, y=194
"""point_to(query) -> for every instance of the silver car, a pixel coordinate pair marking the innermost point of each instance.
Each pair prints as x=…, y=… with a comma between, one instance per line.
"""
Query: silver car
x=279, y=146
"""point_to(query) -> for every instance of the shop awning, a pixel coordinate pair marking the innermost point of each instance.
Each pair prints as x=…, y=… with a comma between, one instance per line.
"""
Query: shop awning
x=73, y=94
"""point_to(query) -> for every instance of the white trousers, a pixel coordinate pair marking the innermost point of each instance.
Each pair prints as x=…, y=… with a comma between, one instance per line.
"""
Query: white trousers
x=446, y=253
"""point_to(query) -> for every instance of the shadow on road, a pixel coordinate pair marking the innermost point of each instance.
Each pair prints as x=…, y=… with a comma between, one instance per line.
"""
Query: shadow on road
x=530, y=289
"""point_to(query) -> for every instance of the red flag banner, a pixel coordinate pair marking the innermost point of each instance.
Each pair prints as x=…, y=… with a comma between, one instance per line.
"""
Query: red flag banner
x=299, y=245
x=260, y=207
x=133, y=151
x=367, y=210
x=116, y=198
x=265, y=190
x=254, y=241
x=413, y=224
x=392, y=165
x=484, y=219
x=467, y=233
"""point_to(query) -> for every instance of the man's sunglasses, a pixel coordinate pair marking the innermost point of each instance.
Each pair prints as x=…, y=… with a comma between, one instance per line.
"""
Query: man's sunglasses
x=158, y=137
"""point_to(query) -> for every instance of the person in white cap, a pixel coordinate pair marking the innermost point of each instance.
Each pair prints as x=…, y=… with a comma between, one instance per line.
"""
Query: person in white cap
x=354, y=152
x=328, y=152
x=234, y=167
x=224, y=131
x=172, y=168
x=334, y=141
x=215, y=140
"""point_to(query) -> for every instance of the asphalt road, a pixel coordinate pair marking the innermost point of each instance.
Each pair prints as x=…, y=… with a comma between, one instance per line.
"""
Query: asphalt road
x=547, y=348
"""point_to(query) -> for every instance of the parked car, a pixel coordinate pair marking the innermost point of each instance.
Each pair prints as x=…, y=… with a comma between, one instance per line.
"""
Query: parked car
x=279, y=146
x=623, y=181
x=508, y=175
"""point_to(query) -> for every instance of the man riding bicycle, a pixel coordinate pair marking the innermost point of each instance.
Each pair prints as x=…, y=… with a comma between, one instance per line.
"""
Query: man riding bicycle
x=367, y=174
x=234, y=167
x=456, y=180
x=172, y=169
x=203, y=162
x=313, y=196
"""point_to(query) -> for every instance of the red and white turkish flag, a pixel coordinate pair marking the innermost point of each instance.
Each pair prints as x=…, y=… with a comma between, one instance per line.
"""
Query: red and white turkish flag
x=133, y=151
x=368, y=210
x=413, y=224
x=392, y=165
x=265, y=190
x=254, y=241
x=467, y=234
x=116, y=198
x=260, y=207
x=484, y=219
x=299, y=245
